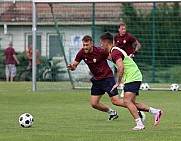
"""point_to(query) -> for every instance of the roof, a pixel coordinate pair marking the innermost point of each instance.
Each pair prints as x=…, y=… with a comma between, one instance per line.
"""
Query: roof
x=21, y=12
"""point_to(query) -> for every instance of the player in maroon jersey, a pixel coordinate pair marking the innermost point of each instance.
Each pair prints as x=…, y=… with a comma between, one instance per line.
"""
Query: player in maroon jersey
x=125, y=41
x=102, y=80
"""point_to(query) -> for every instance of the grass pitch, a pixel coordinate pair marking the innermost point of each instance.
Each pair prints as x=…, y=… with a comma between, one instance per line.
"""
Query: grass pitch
x=67, y=116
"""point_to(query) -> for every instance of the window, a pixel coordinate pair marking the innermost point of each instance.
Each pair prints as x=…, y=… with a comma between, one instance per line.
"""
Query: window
x=54, y=46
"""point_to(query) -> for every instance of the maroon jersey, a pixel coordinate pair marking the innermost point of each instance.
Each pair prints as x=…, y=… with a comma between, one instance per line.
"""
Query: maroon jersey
x=115, y=55
x=9, y=52
x=96, y=62
x=125, y=42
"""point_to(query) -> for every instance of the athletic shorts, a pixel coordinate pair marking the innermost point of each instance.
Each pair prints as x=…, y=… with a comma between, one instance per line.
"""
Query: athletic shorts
x=132, y=87
x=10, y=70
x=99, y=87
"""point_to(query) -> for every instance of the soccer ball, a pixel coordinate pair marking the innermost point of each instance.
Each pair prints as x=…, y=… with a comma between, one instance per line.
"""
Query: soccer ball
x=26, y=120
x=174, y=87
x=145, y=86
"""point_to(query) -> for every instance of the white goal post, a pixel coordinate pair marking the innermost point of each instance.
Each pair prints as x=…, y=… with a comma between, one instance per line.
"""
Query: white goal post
x=34, y=23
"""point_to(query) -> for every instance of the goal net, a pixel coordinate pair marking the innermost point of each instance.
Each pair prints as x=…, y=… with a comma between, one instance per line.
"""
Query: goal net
x=156, y=25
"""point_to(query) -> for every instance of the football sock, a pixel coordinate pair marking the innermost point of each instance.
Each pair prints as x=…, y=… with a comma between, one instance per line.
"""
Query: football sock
x=153, y=110
x=139, y=122
x=111, y=111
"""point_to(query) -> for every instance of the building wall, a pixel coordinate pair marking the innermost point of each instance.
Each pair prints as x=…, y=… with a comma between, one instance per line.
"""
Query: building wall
x=19, y=36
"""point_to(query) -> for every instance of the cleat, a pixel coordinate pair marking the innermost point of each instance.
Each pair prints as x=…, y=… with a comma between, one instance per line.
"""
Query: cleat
x=138, y=128
x=157, y=117
x=113, y=117
x=142, y=115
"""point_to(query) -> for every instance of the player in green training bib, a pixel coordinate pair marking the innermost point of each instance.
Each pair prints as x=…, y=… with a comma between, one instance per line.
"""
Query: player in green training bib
x=128, y=69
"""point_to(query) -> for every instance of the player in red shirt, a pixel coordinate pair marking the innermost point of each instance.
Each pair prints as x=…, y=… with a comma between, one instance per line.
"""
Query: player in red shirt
x=125, y=41
x=102, y=80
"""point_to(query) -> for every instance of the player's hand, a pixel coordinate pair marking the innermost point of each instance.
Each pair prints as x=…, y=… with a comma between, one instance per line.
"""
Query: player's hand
x=114, y=87
x=71, y=67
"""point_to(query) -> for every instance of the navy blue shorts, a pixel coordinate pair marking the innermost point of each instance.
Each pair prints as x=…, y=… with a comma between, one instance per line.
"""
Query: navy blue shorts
x=99, y=87
x=132, y=87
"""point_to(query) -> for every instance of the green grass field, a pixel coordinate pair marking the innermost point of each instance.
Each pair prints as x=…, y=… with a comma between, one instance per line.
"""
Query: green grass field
x=67, y=116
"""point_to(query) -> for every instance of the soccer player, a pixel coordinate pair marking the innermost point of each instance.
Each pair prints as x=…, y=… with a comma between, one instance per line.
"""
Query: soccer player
x=103, y=80
x=132, y=80
x=125, y=41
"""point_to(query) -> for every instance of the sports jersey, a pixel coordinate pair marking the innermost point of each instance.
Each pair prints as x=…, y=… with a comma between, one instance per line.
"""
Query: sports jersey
x=131, y=70
x=125, y=42
x=96, y=61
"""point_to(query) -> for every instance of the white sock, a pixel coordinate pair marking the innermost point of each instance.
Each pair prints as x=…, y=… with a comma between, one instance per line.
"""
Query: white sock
x=139, y=122
x=122, y=93
x=153, y=110
x=111, y=111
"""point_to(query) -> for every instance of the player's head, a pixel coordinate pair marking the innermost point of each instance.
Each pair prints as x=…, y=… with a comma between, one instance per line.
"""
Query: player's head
x=87, y=44
x=106, y=40
x=122, y=29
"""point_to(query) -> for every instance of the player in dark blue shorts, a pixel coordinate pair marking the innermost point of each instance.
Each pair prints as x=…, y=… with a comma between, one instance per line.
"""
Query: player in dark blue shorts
x=128, y=70
x=103, y=80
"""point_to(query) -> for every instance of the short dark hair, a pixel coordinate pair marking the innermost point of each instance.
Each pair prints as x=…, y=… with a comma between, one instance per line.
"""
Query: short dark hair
x=107, y=36
x=87, y=38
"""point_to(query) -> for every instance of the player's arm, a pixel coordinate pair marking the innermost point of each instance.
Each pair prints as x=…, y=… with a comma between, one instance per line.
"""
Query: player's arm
x=73, y=65
x=120, y=71
x=138, y=46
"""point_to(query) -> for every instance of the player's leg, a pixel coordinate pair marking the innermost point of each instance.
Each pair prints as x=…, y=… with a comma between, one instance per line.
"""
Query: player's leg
x=109, y=83
x=129, y=100
x=134, y=87
x=96, y=94
x=156, y=112
x=96, y=104
x=131, y=90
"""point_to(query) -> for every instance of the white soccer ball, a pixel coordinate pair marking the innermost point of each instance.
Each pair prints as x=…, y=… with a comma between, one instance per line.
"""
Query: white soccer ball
x=174, y=87
x=26, y=120
x=145, y=86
